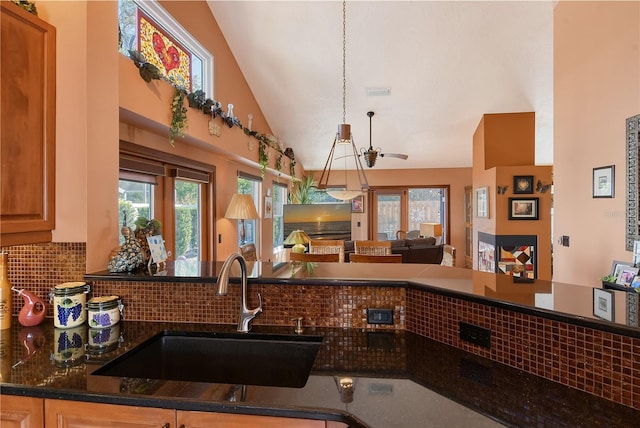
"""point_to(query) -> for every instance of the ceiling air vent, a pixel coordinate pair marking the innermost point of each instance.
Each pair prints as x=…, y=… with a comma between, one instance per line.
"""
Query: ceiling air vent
x=378, y=92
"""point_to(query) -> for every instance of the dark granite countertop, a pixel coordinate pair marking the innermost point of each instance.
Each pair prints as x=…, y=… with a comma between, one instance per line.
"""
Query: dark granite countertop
x=401, y=380
x=549, y=299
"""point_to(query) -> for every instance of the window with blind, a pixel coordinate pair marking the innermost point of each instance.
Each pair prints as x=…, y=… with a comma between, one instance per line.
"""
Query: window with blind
x=177, y=192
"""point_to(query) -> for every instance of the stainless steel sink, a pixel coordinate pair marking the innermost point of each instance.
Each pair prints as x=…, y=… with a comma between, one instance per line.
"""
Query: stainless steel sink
x=233, y=358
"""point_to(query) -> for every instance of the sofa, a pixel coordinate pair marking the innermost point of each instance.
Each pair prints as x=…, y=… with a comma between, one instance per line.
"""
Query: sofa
x=418, y=250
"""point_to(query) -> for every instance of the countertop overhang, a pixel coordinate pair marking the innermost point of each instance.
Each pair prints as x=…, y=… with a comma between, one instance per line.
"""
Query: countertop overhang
x=549, y=299
x=402, y=380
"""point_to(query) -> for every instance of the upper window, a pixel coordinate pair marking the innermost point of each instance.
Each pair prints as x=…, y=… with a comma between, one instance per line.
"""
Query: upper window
x=175, y=192
x=250, y=185
x=146, y=27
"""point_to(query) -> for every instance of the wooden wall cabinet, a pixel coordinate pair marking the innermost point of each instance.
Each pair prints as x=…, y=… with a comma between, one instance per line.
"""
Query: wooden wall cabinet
x=27, y=131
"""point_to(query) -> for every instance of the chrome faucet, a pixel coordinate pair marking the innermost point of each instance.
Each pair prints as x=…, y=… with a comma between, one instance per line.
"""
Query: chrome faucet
x=246, y=314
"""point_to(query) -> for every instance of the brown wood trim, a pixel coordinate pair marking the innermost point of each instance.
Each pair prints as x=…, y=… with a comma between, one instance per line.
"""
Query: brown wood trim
x=38, y=237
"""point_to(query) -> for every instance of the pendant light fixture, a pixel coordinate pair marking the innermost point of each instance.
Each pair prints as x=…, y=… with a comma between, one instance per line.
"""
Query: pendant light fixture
x=344, y=138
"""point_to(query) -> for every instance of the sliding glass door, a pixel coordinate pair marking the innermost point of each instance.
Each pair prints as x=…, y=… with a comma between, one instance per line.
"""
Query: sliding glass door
x=404, y=209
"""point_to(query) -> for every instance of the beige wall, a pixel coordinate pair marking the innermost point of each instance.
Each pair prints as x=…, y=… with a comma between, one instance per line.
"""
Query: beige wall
x=86, y=125
x=596, y=86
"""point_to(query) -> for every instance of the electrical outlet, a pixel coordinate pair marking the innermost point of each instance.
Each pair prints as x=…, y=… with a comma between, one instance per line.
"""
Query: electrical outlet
x=380, y=316
x=475, y=334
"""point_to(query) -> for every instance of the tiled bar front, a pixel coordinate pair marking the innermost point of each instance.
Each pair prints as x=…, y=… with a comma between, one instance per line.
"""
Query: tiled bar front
x=601, y=363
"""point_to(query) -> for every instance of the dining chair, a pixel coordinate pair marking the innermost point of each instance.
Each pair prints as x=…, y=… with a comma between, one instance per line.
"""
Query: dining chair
x=366, y=258
x=311, y=257
x=448, y=255
x=375, y=248
x=248, y=251
x=327, y=246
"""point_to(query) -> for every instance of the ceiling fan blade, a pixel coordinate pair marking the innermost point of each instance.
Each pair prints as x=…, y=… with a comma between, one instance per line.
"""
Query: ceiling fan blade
x=395, y=155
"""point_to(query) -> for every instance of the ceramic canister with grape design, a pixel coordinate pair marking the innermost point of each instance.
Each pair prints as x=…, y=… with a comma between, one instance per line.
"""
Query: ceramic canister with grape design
x=104, y=311
x=69, y=304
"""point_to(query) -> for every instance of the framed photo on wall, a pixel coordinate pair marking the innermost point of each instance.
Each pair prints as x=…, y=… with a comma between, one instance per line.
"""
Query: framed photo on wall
x=604, y=181
x=523, y=184
x=482, y=202
x=357, y=204
x=603, y=304
x=523, y=208
x=268, y=207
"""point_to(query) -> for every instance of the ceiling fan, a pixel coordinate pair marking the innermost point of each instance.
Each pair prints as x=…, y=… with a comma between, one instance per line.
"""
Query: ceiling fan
x=371, y=155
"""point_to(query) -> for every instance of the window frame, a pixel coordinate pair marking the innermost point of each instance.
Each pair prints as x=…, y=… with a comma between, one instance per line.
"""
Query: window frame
x=165, y=20
x=164, y=193
x=278, y=187
x=257, y=195
x=404, y=207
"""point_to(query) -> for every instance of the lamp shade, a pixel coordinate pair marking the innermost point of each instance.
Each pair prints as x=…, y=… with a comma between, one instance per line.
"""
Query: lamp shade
x=241, y=207
x=430, y=229
x=298, y=239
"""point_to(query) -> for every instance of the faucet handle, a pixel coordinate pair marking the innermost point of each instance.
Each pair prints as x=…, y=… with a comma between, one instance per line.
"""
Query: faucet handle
x=254, y=312
x=298, y=327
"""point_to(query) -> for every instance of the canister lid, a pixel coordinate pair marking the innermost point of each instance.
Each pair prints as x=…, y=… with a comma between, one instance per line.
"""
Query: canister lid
x=68, y=288
x=103, y=302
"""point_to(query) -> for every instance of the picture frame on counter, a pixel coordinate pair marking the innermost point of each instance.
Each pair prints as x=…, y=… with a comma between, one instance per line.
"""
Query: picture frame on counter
x=617, y=266
x=524, y=208
x=604, y=181
x=626, y=275
x=603, y=303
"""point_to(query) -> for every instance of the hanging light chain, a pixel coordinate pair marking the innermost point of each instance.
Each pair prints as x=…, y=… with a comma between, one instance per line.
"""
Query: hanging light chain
x=344, y=61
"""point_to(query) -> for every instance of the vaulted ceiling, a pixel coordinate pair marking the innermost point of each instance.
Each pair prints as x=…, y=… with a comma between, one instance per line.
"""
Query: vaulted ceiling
x=446, y=63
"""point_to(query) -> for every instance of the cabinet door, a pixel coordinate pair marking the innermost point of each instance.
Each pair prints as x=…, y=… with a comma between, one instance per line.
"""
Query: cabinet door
x=74, y=414
x=21, y=412
x=233, y=420
x=27, y=114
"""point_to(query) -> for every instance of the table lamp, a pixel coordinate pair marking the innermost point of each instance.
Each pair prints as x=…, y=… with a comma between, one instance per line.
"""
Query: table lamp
x=241, y=208
x=431, y=229
x=298, y=239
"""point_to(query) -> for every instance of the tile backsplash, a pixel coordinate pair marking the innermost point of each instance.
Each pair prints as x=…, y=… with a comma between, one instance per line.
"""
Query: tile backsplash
x=604, y=364
x=40, y=267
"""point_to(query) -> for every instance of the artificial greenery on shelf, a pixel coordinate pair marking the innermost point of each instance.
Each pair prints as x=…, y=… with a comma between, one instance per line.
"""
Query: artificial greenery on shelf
x=27, y=5
x=148, y=71
x=263, y=158
x=179, y=121
x=198, y=100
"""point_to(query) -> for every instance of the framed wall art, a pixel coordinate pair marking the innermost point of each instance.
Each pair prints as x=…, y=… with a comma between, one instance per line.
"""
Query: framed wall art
x=523, y=184
x=523, y=208
x=482, y=202
x=268, y=207
x=357, y=204
x=604, y=181
x=603, y=304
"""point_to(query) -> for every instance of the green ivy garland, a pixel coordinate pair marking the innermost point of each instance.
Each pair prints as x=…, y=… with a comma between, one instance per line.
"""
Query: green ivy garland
x=179, y=121
x=27, y=5
x=198, y=100
x=292, y=169
x=263, y=158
